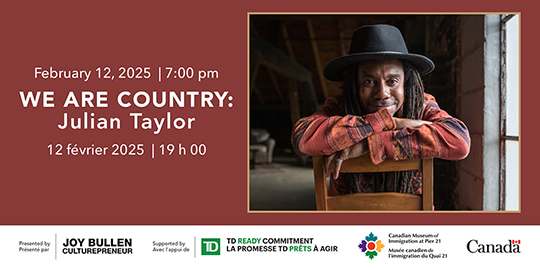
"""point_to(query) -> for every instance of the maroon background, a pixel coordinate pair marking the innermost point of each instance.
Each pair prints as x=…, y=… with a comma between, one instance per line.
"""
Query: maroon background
x=36, y=188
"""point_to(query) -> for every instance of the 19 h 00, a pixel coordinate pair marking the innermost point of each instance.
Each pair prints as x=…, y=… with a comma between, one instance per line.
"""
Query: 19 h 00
x=194, y=149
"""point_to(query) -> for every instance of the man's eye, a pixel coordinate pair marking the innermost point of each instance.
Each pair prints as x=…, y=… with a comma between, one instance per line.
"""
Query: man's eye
x=393, y=82
x=369, y=82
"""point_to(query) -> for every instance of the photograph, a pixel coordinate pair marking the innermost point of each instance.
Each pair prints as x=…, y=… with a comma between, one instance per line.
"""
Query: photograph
x=323, y=90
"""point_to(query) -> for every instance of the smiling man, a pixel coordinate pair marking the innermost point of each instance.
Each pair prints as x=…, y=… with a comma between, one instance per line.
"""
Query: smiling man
x=383, y=111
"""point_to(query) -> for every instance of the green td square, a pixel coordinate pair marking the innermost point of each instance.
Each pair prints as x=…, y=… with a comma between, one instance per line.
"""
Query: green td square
x=210, y=246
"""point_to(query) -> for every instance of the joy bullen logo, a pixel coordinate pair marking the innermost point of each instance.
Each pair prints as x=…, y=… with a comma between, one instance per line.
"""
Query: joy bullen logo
x=210, y=246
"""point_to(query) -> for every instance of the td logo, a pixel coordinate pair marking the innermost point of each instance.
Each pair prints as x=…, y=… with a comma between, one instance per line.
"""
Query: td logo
x=210, y=246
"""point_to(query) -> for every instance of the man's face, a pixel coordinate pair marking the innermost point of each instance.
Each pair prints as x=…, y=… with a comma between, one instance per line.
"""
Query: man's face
x=380, y=83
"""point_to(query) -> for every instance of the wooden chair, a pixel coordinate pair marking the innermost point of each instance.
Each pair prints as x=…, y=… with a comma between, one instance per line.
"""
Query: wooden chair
x=386, y=201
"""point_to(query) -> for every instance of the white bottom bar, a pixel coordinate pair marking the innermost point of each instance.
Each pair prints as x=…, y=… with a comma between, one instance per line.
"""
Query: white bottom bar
x=266, y=247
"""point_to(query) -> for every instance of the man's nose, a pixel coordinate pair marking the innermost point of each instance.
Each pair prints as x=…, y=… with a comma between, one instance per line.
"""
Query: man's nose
x=382, y=91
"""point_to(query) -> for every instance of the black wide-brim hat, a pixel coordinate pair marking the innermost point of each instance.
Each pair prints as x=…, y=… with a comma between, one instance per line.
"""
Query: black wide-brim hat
x=375, y=42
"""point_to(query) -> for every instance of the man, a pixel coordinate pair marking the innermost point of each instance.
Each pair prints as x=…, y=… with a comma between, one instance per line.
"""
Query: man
x=383, y=112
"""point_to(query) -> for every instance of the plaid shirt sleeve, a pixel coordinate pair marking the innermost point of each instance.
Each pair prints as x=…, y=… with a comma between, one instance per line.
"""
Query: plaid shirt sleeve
x=446, y=138
x=327, y=131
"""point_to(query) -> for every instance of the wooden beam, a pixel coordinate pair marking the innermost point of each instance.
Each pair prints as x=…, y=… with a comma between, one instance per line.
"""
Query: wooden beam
x=258, y=94
x=254, y=65
x=276, y=85
x=316, y=55
x=295, y=111
x=294, y=101
x=309, y=89
x=287, y=40
x=277, y=60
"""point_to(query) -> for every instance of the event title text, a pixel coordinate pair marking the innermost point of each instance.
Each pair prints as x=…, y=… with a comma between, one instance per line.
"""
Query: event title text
x=127, y=99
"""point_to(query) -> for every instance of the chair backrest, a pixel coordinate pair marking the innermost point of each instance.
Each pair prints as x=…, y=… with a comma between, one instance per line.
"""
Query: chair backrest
x=385, y=201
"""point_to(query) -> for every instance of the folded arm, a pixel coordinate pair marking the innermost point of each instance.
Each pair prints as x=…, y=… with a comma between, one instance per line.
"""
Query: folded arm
x=445, y=137
x=325, y=132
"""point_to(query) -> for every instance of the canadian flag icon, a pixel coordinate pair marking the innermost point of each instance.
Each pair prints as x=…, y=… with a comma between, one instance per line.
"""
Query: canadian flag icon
x=516, y=242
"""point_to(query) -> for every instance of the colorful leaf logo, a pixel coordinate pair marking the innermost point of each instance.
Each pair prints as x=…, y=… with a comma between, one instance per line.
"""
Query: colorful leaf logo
x=371, y=246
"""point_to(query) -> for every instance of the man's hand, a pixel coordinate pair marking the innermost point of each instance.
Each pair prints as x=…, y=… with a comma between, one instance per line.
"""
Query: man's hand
x=362, y=147
x=402, y=123
x=347, y=153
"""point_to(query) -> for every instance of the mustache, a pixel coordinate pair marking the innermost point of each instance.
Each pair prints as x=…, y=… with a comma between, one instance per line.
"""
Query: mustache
x=385, y=102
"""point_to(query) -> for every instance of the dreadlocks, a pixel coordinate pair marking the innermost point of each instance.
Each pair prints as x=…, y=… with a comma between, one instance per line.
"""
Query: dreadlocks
x=412, y=108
